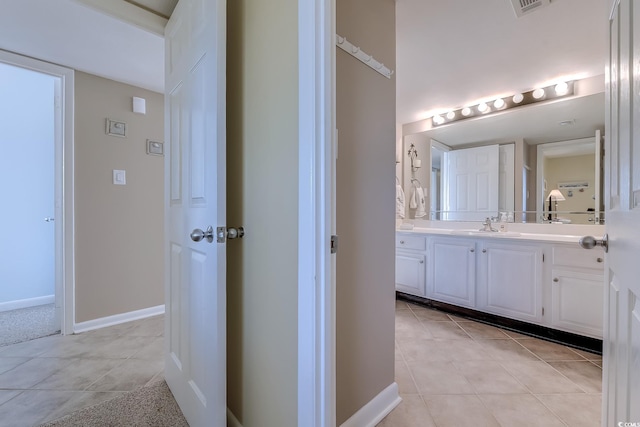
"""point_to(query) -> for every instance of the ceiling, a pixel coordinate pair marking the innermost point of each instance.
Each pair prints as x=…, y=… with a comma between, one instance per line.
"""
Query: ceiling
x=450, y=52
x=453, y=53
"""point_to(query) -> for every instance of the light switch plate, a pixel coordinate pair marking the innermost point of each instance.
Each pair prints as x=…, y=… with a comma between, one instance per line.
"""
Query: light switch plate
x=155, y=148
x=119, y=177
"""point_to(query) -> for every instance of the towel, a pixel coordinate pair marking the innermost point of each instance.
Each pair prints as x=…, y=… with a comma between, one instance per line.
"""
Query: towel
x=421, y=209
x=413, y=200
x=399, y=201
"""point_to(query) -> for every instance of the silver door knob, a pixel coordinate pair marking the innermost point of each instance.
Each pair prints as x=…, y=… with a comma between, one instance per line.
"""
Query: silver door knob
x=49, y=219
x=235, y=233
x=198, y=235
x=590, y=242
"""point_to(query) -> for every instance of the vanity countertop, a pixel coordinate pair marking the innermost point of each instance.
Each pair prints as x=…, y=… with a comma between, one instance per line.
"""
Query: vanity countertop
x=558, y=234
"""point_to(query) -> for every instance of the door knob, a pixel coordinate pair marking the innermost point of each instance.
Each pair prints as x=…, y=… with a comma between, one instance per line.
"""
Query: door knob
x=197, y=234
x=590, y=242
x=49, y=219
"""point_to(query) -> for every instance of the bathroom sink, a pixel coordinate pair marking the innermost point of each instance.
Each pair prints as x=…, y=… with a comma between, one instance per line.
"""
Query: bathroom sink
x=485, y=233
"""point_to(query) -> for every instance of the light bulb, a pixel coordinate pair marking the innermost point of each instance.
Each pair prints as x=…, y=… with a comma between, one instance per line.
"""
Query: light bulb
x=438, y=119
x=451, y=115
x=498, y=103
x=483, y=107
x=466, y=111
x=538, y=93
x=562, y=88
x=517, y=98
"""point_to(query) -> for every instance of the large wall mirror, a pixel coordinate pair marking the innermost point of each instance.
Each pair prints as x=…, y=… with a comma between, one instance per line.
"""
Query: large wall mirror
x=539, y=163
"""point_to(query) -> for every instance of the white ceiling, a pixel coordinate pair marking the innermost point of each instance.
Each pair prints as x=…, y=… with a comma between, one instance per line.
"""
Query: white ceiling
x=449, y=54
x=71, y=34
x=452, y=53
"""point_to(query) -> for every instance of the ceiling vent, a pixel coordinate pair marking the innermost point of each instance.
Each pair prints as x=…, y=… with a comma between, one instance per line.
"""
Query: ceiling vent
x=522, y=7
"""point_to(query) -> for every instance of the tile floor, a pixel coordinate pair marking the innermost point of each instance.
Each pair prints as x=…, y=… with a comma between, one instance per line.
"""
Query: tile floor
x=454, y=372
x=46, y=378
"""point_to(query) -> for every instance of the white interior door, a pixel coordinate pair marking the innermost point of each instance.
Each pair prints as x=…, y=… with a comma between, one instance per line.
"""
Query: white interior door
x=195, y=180
x=621, y=371
x=471, y=183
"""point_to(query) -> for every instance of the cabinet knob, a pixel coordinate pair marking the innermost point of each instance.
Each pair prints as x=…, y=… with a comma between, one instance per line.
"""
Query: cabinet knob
x=484, y=251
x=421, y=261
x=599, y=260
x=472, y=250
x=555, y=279
x=402, y=242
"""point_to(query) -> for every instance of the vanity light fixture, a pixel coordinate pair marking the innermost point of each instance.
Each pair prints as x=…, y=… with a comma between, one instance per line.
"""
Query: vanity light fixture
x=538, y=93
x=413, y=157
x=555, y=91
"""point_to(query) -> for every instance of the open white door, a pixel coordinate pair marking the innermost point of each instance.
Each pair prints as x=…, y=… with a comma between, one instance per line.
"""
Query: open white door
x=621, y=371
x=195, y=181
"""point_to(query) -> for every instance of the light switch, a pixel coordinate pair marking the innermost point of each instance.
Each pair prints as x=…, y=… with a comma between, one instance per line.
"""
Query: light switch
x=119, y=177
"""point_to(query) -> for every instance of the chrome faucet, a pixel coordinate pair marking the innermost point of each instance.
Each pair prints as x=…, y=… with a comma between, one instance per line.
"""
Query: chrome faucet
x=486, y=225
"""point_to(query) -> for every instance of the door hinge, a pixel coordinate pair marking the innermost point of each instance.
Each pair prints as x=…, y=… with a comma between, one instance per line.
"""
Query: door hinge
x=543, y=311
x=542, y=257
x=334, y=244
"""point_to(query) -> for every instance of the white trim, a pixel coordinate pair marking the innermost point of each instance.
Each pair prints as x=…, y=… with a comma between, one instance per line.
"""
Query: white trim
x=232, y=421
x=130, y=13
x=64, y=183
x=117, y=319
x=316, y=285
x=26, y=303
x=377, y=408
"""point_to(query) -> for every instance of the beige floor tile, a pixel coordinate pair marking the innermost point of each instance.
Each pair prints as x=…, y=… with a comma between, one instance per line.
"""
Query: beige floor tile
x=31, y=373
x=463, y=350
x=402, y=315
x=152, y=327
x=34, y=348
x=588, y=355
x=401, y=305
x=7, y=395
x=77, y=375
x=32, y=407
x=577, y=410
x=403, y=378
x=457, y=411
x=506, y=350
x=79, y=400
x=517, y=335
x=151, y=351
x=411, y=412
x=78, y=346
x=522, y=410
x=8, y=363
x=539, y=377
x=429, y=314
x=598, y=363
x=127, y=375
x=439, y=378
x=424, y=350
x=585, y=374
x=124, y=346
x=445, y=330
x=549, y=351
x=410, y=329
x=488, y=377
x=482, y=331
x=398, y=353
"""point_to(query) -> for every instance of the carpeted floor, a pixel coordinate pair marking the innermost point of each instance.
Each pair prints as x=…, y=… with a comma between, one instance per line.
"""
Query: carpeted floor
x=27, y=323
x=150, y=406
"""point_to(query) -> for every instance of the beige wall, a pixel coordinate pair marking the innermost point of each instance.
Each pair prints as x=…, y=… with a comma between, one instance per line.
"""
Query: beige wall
x=262, y=168
x=119, y=229
x=365, y=207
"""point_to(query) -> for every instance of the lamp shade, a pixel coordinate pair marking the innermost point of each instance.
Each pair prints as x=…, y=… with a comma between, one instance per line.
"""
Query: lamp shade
x=556, y=195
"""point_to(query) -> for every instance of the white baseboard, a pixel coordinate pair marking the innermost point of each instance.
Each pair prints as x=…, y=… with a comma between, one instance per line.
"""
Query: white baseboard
x=378, y=408
x=103, y=322
x=26, y=303
x=232, y=421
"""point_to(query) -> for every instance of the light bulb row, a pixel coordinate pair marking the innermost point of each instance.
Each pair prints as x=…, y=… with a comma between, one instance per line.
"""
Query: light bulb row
x=540, y=94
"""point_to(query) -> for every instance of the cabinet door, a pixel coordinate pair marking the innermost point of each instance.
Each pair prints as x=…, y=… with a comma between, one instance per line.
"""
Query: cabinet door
x=576, y=302
x=511, y=281
x=410, y=268
x=452, y=271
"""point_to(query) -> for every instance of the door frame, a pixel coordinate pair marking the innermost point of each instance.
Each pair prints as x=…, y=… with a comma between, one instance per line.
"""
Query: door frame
x=64, y=181
x=316, y=213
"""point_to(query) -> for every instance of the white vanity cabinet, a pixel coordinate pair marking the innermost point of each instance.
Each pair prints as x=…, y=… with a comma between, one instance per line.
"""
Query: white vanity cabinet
x=410, y=263
x=577, y=290
x=510, y=280
x=452, y=270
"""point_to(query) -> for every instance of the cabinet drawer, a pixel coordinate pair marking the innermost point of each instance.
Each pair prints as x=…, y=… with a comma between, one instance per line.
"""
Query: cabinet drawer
x=406, y=241
x=578, y=257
